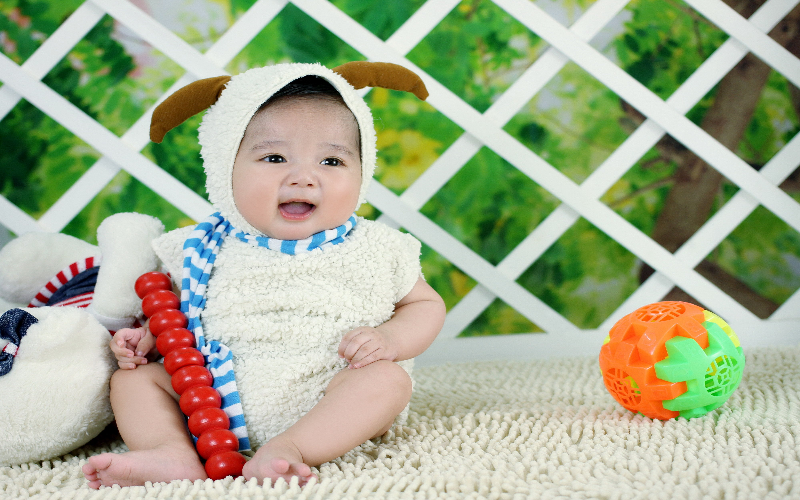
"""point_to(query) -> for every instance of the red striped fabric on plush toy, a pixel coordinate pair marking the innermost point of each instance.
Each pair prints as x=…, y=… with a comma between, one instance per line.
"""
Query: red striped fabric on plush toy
x=73, y=286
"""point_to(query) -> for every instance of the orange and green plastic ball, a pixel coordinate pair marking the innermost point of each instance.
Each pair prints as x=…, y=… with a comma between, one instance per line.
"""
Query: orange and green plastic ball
x=671, y=359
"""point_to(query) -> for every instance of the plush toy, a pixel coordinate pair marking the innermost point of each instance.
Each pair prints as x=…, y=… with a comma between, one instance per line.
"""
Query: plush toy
x=55, y=362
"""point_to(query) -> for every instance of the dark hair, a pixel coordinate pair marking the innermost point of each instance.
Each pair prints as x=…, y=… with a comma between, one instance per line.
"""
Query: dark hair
x=310, y=86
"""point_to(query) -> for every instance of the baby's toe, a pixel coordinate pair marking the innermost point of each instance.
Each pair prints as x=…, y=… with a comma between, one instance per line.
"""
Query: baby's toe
x=279, y=465
x=302, y=470
x=100, y=462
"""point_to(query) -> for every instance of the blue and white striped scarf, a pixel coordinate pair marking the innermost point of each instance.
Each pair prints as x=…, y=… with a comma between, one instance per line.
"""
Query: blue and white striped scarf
x=199, y=253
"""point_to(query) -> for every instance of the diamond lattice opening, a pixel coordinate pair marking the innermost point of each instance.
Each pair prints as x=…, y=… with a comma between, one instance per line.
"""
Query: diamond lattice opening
x=490, y=206
x=113, y=76
x=24, y=26
x=40, y=159
x=758, y=263
x=381, y=18
x=663, y=43
x=412, y=134
x=449, y=281
x=477, y=51
x=124, y=194
x=179, y=155
x=585, y=275
x=639, y=195
x=773, y=124
x=574, y=123
x=293, y=36
x=200, y=23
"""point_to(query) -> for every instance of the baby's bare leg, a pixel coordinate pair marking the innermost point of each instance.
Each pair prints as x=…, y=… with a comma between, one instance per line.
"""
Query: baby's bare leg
x=152, y=426
x=358, y=405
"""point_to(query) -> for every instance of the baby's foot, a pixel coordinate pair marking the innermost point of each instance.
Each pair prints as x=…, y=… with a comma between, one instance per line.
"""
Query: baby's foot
x=275, y=460
x=134, y=468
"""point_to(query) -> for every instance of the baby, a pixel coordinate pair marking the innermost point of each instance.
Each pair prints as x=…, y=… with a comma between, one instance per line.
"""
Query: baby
x=322, y=340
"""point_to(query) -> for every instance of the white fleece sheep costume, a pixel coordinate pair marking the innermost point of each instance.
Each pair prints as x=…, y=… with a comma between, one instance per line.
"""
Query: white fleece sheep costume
x=283, y=316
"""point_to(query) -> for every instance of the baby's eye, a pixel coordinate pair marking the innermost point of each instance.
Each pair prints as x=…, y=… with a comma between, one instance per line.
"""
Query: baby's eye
x=274, y=159
x=332, y=162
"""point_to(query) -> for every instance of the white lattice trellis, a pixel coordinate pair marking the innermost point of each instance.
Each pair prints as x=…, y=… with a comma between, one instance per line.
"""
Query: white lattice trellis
x=579, y=200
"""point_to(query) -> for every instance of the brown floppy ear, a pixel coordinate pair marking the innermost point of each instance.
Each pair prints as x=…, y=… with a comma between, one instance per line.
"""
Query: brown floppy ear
x=185, y=103
x=362, y=74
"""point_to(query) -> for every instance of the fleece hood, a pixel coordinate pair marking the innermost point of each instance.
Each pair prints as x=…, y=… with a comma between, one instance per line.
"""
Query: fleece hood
x=233, y=101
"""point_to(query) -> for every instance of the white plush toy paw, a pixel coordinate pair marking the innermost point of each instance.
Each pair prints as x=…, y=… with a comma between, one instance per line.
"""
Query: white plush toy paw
x=55, y=393
x=55, y=361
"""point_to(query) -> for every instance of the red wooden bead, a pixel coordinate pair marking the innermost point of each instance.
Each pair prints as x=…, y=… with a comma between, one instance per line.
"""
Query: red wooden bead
x=206, y=419
x=190, y=376
x=222, y=465
x=149, y=282
x=165, y=319
x=197, y=397
x=182, y=356
x=216, y=441
x=158, y=300
x=174, y=338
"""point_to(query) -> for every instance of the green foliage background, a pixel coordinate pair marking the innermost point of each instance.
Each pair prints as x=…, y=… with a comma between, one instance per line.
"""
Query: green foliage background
x=477, y=52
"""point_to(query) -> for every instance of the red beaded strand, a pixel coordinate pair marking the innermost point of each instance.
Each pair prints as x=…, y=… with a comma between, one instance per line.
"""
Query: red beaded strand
x=191, y=380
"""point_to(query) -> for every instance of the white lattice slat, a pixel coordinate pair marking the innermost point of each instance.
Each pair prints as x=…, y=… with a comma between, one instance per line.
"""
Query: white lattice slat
x=787, y=311
x=422, y=22
x=17, y=220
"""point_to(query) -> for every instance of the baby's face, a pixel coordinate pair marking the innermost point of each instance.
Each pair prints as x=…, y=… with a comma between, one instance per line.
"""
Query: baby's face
x=298, y=169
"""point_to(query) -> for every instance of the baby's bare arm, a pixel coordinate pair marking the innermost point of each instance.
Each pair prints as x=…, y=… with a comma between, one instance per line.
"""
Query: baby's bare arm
x=417, y=319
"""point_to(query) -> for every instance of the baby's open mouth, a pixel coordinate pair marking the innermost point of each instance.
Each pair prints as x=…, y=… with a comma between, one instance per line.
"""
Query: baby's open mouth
x=296, y=210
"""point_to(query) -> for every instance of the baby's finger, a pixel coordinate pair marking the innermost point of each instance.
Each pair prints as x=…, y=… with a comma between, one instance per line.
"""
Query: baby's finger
x=121, y=350
x=354, y=346
x=132, y=360
x=364, y=349
x=347, y=340
x=145, y=345
x=126, y=365
x=365, y=358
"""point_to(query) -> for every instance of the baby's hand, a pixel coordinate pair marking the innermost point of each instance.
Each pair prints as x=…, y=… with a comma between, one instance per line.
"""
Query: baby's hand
x=365, y=345
x=128, y=339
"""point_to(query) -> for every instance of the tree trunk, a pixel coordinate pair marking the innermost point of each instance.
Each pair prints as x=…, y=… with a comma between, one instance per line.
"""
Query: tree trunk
x=691, y=198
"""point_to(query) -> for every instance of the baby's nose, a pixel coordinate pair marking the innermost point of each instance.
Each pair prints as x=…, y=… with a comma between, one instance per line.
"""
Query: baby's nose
x=302, y=176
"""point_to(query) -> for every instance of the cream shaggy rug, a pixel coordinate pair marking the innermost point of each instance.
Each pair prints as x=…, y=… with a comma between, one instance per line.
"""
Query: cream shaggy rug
x=538, y=429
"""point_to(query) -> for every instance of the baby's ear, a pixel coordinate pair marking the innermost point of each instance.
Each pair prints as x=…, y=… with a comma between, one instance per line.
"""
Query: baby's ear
x=362, y=74
x=185, y=103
